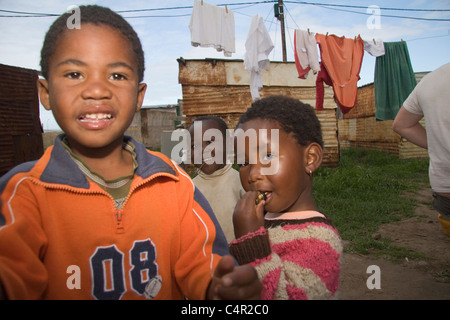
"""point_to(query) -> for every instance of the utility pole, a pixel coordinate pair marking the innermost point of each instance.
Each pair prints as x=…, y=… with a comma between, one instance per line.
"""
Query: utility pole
x=283, y=36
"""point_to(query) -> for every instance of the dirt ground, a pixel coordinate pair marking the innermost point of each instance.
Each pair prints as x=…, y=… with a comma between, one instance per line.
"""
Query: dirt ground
x=427, y=278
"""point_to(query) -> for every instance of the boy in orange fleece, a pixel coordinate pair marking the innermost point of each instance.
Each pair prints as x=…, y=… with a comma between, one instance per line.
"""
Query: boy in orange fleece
x=99, y=216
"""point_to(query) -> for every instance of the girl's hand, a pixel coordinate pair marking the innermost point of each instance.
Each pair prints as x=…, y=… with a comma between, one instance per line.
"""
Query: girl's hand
x=231, y=282
x=247, y=217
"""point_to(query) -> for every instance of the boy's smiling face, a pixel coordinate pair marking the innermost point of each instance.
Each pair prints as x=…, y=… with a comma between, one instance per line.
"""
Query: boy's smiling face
x=93, y=88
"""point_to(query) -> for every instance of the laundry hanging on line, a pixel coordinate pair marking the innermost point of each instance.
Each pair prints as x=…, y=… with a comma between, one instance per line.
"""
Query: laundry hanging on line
x=374, y=47
x=305, y=53
x=341, y=58
x=258, y=46
x=394, y=80
x=322, y=77
x=212, y=26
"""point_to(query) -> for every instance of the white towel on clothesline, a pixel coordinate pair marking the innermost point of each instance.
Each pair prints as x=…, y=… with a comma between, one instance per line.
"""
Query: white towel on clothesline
x=374, y=47
x=212, y=26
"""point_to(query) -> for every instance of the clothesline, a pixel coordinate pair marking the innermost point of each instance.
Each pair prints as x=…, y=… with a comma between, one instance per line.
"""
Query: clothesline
x=339, y=64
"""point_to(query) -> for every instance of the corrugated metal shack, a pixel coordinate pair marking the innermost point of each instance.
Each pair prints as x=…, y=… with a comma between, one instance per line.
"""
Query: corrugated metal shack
x=221, y=87
x=150, y=122
x=360, y=129
x=20, y=126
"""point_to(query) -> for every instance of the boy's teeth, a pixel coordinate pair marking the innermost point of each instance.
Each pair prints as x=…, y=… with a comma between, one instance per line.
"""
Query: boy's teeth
x=98, y=116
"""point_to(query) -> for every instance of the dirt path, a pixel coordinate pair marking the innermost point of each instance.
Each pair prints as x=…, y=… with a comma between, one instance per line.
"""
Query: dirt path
x=428, y=278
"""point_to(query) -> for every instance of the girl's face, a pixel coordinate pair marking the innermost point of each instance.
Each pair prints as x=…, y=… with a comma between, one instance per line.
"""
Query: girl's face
x=289, y=187
x=93, y=89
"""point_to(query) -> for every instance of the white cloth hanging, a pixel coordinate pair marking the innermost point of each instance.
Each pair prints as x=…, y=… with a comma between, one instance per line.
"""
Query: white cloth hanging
x=258, y=46
x=212, y=26
x=374, y=47
x=306, y=52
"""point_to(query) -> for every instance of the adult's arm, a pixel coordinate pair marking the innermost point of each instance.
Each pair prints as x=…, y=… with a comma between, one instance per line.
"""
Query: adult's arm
x=407, y=125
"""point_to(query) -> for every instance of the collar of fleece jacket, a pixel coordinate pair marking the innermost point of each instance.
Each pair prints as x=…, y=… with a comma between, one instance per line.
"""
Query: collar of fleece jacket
x=63, y=170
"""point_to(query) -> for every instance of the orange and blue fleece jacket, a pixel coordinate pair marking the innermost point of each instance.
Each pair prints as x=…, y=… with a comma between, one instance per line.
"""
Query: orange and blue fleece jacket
x=61, y=236
x=296, y=259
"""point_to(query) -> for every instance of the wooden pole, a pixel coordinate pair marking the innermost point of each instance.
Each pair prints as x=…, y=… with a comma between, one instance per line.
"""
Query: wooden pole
x=283, y=35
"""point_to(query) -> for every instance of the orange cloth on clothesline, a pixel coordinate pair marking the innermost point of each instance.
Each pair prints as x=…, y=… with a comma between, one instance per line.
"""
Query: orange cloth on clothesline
x=342, y=58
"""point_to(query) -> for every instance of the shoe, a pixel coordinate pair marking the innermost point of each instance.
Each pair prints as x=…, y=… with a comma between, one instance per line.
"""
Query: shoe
x=445, y=224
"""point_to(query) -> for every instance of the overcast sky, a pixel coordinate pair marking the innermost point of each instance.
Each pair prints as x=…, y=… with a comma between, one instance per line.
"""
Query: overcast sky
x=165, y=34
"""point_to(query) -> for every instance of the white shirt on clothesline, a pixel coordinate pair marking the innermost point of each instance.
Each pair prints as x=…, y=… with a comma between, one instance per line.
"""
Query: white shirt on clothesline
x=258, y=46
x=306, y=50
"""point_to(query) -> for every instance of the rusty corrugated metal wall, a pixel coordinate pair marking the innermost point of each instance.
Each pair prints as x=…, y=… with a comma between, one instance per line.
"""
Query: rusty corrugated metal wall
x=360, y=129
x=20, y=126
x=221, y=87
x=149, y=123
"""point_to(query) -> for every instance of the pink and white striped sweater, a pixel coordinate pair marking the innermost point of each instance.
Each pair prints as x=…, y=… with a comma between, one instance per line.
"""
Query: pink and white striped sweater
x=296, y=258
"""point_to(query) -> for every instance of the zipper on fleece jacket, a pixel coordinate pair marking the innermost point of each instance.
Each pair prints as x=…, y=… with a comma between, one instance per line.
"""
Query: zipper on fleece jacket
x=118, y=213
x=119, y=225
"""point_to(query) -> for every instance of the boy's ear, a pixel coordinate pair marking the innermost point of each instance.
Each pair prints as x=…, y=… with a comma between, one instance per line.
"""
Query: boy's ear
x=141, y=93
x=44, y=96
x=314, y=154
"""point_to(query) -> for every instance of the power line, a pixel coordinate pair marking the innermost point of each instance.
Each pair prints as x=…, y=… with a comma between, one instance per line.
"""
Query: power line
x=154, y=9
x=171, y=16
x=430, y=37
x=29, y=13
x=41, y=14
x=245, y=5
x=383, y=15
x=34, y=16
x=23, y=14
x=365, y=7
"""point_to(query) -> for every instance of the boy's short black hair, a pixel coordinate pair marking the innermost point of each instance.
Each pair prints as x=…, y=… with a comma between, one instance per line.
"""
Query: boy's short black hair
x=96, y=15
x=293, y=116
x=221, y=124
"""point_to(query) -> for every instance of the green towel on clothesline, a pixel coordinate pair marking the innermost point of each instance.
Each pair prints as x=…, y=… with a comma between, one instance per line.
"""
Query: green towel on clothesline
x=394, y=80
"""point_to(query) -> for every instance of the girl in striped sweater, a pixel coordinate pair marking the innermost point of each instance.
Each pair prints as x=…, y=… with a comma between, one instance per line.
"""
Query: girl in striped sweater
x=294, y=248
